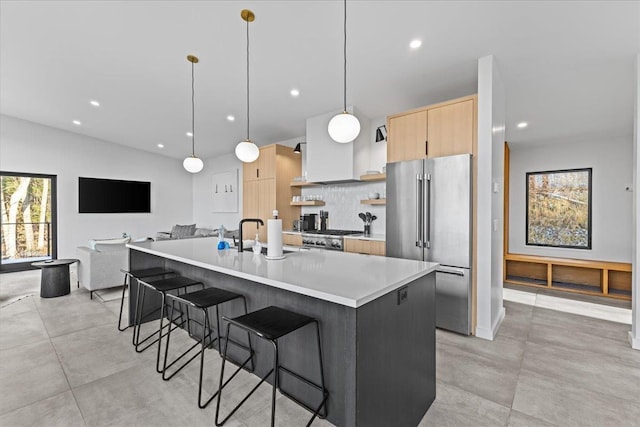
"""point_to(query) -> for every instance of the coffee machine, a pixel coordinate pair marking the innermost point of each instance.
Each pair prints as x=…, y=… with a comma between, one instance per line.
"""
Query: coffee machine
x=308, y=222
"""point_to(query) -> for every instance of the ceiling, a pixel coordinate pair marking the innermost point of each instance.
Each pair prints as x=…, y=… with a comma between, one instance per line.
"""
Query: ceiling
x=568, y=67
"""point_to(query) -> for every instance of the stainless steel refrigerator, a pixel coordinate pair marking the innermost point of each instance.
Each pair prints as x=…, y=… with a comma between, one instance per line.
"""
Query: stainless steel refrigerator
x=429, y=219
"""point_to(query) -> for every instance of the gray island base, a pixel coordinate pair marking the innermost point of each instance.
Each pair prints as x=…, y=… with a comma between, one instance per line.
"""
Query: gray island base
x=378, y=340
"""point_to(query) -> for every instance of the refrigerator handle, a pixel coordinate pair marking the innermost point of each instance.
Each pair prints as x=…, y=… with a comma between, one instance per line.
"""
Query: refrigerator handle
x=419, y=242
x=454, y=271
x=427, y=216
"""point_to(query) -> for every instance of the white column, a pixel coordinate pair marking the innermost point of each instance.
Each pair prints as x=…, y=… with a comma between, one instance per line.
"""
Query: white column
x=491, y=130
x=634, y=334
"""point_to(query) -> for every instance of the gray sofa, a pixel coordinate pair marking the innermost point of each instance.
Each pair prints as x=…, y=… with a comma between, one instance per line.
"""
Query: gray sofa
x=191, y=231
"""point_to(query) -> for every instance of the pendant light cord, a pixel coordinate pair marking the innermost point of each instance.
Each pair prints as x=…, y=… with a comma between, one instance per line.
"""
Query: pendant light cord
x=248, y=81
x=345, y=57
x=193, y=114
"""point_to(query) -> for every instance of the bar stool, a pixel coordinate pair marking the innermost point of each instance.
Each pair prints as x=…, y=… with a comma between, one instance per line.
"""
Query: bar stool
x=162, y=287
x=272, y=323
x=137, y=274
x=204, y=300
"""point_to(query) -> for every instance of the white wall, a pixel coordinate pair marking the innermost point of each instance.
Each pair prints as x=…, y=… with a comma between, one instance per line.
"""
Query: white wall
x=491, y=129
x=203, y=209
x=203, y=214
x=33, y=148
x=611, y=161
x=634, y=334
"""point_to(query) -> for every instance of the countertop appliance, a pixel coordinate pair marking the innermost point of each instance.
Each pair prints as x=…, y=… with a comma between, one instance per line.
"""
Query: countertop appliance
x=324, y=217
x=429, y=219
x=309, y=222
x=326, y=239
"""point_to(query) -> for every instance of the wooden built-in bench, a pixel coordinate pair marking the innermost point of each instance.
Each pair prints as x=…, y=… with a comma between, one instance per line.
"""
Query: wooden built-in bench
x=610, y=279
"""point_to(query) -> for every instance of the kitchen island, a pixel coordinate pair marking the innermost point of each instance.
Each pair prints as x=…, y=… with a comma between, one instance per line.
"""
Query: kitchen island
x=377, y=320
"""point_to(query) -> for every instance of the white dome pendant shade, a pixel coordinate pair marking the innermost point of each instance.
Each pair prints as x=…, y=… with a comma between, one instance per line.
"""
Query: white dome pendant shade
x=344, y=127
x=193, y=164
x=247, y=151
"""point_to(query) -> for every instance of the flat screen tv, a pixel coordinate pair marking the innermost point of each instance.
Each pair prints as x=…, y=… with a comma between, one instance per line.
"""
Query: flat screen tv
x=97, y=195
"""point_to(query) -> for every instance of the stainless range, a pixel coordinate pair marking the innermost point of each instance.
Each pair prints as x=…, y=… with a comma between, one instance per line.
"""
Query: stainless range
x=326, y=239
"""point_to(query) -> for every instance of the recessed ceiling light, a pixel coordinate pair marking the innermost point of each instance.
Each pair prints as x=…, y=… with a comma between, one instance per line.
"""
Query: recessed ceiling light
x=160, y=145
x=522, y=125
x=415, y=44
x=77, y=122
x=94, y=103
x=189, y=134
x=295, y=93
x=231, y=118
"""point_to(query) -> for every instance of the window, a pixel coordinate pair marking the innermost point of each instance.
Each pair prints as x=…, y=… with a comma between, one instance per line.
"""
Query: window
x=28, y=220
x=559, y=208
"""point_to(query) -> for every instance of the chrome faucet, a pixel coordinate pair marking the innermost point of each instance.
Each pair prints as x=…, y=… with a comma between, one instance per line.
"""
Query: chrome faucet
x=242, y=221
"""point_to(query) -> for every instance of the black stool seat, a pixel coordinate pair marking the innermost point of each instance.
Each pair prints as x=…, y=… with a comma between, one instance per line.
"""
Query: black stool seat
x=135, y=274
x=207, y=297
x=172, y=283
x=149, y=272
x=272, y=322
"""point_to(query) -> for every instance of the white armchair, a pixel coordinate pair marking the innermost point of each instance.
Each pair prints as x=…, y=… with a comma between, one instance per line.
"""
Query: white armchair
x=99, y=268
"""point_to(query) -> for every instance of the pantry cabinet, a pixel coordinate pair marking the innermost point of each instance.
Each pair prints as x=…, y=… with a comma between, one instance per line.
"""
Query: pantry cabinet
x=266, y=188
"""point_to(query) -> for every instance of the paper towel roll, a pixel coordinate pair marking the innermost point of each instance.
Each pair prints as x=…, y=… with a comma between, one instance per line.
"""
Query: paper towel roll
x=274, y=238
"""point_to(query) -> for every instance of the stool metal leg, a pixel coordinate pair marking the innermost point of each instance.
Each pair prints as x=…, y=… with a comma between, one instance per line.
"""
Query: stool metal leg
x=124, y=288
x=138, y=314
x=275, y=382
x=222, y=385
x=165, y=367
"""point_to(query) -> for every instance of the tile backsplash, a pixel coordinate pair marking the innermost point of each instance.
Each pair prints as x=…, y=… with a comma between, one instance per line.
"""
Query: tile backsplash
x=342, y=201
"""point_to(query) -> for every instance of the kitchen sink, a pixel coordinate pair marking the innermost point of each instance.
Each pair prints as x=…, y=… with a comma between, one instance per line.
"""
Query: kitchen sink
x=264, y=250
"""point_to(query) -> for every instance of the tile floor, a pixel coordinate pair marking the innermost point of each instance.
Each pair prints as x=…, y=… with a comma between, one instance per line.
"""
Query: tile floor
x=63, y=363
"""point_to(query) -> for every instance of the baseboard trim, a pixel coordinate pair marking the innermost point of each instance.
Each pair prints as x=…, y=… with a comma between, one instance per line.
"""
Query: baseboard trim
x=635, y=342
x=490, y=334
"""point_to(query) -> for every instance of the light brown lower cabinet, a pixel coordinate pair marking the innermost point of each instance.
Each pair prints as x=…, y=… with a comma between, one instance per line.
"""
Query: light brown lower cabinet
x=364, y=246
x=292, y=239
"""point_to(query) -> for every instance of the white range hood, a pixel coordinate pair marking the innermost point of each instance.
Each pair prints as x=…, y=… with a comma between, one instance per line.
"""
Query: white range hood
x=329, y=161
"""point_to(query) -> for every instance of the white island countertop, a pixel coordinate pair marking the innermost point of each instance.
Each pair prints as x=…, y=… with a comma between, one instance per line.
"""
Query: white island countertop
x=343, y=278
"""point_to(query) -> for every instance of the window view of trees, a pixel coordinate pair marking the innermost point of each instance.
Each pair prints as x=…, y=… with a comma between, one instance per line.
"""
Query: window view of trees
x=26, y=217
x=559, y=208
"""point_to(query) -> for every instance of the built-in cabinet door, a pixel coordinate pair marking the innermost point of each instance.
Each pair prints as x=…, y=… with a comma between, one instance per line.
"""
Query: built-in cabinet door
x=266, y=204
x=407, y=137
x=250, y=171
x=450, y=129
x=267, y=162
x=250, y=207
x=364, y=246
x=263, y=168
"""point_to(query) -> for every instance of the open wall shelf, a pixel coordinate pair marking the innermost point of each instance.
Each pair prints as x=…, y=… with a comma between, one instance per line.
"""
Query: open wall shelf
x=609, y=279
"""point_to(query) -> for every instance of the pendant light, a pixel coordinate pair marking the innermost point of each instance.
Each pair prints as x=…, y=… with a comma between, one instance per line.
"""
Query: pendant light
x=192, y=163
x=344, y=127
x=246, y=150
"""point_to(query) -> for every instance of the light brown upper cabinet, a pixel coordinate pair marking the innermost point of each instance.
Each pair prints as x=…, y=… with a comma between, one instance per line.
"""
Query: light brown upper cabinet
x=407, y=137
x=266, y=186
x=264, y=167
x=443, y=129
x=450, y=129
